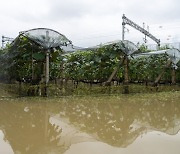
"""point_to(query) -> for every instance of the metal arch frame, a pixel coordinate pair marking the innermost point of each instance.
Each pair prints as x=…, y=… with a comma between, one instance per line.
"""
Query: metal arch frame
x=24, y=33
x=137, y=27
x=14, y=42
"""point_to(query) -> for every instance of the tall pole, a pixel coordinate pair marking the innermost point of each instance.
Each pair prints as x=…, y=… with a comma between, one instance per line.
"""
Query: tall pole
x=47, y=66
x=47, y=73
x=123, y=27
x=139, y=28
x=126, y=63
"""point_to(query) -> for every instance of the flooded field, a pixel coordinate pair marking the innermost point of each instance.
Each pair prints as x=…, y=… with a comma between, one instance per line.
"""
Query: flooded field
x=124, y=124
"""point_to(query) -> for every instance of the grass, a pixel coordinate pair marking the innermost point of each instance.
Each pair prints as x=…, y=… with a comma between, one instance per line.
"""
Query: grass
x=8, y=90
x=12, y=90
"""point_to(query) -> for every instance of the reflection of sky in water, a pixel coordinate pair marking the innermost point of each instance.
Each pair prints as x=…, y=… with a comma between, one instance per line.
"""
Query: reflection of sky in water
x=70, y=134
x=5, y=147
x=150, y=143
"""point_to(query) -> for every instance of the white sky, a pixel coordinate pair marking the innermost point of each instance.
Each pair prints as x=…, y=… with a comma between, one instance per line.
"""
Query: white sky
x=91, y=22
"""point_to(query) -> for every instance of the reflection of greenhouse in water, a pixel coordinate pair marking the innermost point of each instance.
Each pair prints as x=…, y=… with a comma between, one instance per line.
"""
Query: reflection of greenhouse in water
x=27, y=129
x=37, y=127
x=120, y=124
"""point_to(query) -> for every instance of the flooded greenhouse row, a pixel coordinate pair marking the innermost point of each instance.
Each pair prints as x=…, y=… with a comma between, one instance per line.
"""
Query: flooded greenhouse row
x=113, y=96
x=99, y=125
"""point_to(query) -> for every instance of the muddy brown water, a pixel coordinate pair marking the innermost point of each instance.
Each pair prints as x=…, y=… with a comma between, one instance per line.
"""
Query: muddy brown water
x=90, y=125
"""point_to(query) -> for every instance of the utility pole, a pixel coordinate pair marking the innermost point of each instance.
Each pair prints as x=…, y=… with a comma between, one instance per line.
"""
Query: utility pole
x=123, y=28
x=6, y=39
x=129, y=22
x=139, y=28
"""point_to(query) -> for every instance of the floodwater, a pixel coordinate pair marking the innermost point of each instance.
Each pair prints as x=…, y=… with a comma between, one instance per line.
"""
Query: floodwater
x=90, y=125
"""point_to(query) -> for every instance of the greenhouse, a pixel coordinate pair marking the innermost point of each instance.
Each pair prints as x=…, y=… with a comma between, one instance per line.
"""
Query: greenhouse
x=42, y=56
x=173, y=54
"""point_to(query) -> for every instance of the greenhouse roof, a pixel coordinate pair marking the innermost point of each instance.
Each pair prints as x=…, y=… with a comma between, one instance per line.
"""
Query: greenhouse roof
x=126, y=46
x=174, y=54
x=47, y=38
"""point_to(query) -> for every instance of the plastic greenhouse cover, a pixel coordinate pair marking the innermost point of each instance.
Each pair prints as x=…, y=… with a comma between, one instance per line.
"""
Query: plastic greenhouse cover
x=126, y=46
x=47, y=38
x=174, y=54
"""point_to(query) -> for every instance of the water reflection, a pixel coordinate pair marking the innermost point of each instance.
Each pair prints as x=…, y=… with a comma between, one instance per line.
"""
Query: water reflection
x=51, y=126
x=120, y=122
x=27, y=129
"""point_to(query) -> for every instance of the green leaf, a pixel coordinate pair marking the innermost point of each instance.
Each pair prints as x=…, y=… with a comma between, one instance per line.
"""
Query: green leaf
x=38, y=56
x=55, y=55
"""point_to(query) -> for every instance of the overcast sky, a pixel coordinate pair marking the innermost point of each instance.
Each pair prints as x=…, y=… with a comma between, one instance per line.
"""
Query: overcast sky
x=91, y=22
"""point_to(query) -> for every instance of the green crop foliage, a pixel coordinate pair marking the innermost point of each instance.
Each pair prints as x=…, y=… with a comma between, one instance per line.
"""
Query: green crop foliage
x=90, y=66
x=26, y=64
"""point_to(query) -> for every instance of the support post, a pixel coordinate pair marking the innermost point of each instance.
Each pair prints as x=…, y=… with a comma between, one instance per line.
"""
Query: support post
x=46, y=90
x=126, y=63
x=108, y=82
x=32, y=67
x=161, y=74
x=173, y=79
x=126, y=76
x=47, y=73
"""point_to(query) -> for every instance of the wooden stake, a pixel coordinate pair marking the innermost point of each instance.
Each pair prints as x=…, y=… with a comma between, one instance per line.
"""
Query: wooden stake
x=114, y=73
x=161, y=74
